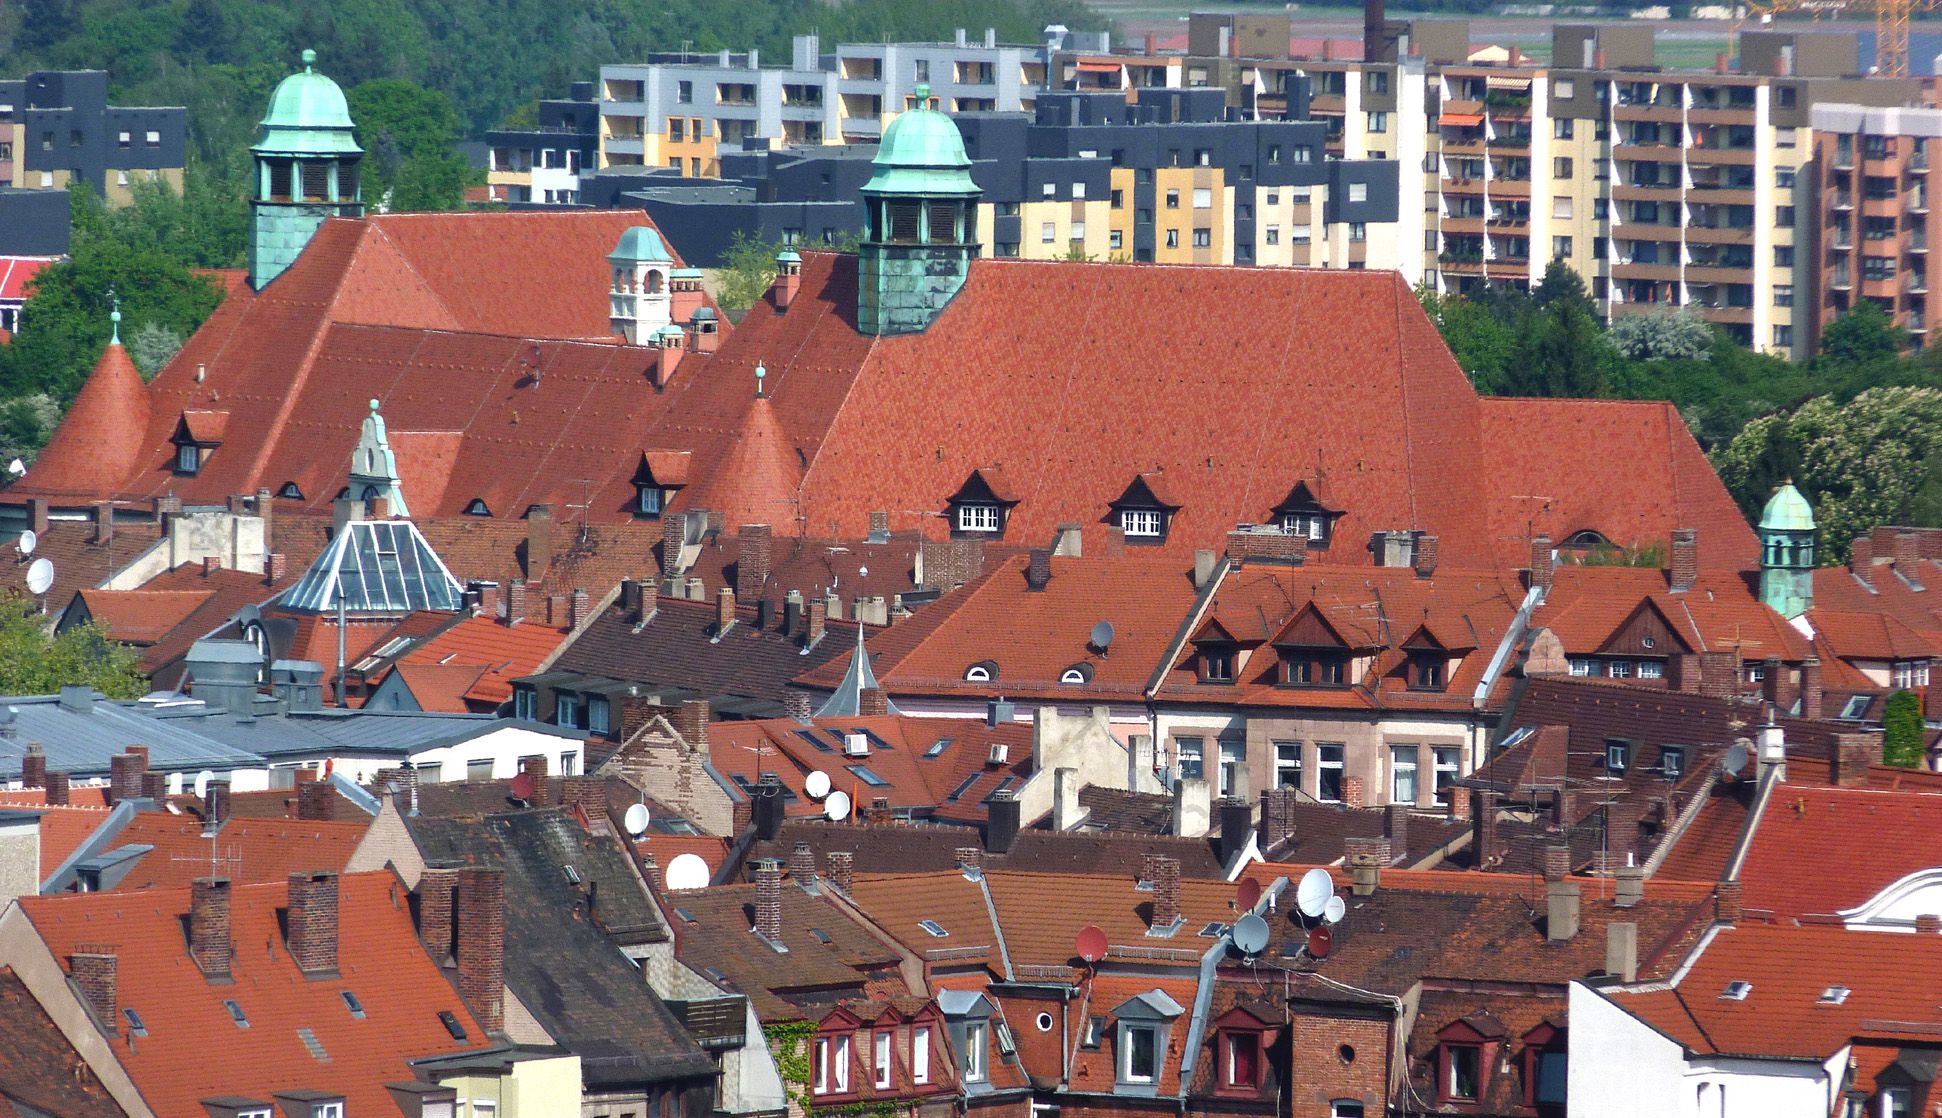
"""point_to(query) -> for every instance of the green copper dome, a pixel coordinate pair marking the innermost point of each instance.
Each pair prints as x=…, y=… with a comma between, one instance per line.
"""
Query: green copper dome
x=308, y=116
x=1787, y=511
x=641, y=244
x=921, y=153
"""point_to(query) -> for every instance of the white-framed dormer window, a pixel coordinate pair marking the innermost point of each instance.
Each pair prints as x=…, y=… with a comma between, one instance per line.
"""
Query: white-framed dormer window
x=567, y=713
x=525, y=704
x=1144, y=523
x=980, y=672
x=880, y=1058
x=1897, y=1102
x=1911, y=674
x=974, y=1044
x=1582, y=666
x=920, y=1055
x=977, y=517
x=820, y=1085
x=188, y=458
x=840, y=1065
x=1139, y=1054
x=1307, y=525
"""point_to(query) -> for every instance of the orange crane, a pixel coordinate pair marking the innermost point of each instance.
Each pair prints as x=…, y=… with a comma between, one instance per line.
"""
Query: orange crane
x=1891, y=23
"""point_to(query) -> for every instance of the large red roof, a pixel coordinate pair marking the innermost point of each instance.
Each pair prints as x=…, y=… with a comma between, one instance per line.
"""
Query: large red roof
x=250, y=851
x=1818, y=851
x=492, y=652
x=96, y=446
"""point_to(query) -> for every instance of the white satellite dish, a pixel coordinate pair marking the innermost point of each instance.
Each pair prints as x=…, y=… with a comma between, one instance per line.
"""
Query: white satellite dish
x=202, y=783
x=837, y=807
x=1334, y=910
x=1250, y=934
x=29, y=540
x=687, y=871
x=816, y=784
x=40, y=576
x=636, y=820
x=17, y=468
x=1314, y=892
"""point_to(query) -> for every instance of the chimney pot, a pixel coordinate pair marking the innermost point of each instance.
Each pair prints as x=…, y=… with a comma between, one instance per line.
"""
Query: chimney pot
x=1365, y=858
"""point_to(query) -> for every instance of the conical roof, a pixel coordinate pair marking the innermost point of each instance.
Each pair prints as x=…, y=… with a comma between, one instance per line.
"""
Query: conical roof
x=1787, y=511
x=760, y=479
x=98, y=447
x=847, y=700
x=308, y=115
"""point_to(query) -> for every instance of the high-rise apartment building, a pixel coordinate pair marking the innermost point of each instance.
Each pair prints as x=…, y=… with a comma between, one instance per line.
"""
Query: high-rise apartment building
x=1872, y=237
x=542, y=165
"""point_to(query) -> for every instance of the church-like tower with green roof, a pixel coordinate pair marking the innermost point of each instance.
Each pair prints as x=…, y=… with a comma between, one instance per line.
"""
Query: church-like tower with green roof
x=920, y=229
x=306, y=170
x=1787, y=552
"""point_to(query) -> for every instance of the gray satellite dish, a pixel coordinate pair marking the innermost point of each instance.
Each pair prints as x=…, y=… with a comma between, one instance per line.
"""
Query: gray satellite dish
x=636, y=820
x=1735, y=759
x=202, y=782
x=837, y=807
x=1314, y=892
x=29, y=540
x=1102, y=636
x=40, y=576
x=1250, y=934
x=816, y=784
x=687, y=871
x=1334, y=910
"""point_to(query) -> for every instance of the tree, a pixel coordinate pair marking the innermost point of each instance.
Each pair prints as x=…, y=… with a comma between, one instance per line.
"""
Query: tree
x=1903, y=736
x=1559, y=352
x=1561, y=286
x=410, y=136
x=1482, y=345
x=1663, y=335
x=748, y=268
x=1863, y=335
x=35, y=662
x=151, y=346
x=26, y=423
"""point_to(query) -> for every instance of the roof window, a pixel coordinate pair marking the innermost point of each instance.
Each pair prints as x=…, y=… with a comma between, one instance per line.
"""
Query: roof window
x=135, y=1026
x=290, y=492
x=1736, y=990
x=1078, y=675
x=933, y=928
x=477, y=508
x=351, y=1003
x=1213, y=929
x=236, y=1013
x=1834, y=995
x=937, y=747
x=984, y=671
x=451, y=1022
x=868, y=776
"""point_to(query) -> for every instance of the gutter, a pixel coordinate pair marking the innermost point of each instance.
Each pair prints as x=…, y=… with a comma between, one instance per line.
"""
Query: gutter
x=1513, y=636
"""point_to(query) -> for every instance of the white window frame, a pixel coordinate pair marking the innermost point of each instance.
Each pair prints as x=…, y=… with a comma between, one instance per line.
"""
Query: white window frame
x=1196, y=747
x=1287, y=759
x=648, y=500
x=820, y=1083
x=882, y=1058
x=974, y=1046
x=1141, y=523
x=1308, y=525
x=1048, y=232
x=1231, y=774
x=1581, y=666
x=188, y=458
x=920, y=1054
x=1358, y=192
x=840, y=1065
x=1403, y=759
x=1448, y=766
x=1203, y=198
x=977, y=516
x=1338, y=765
x=1127, y=1048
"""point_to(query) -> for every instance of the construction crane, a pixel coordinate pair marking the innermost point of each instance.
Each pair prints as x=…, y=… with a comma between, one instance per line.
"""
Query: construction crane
x=1891, y=23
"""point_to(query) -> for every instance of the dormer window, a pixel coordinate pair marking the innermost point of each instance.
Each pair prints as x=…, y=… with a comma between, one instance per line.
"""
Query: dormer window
x=1240, y=1060
x=290, y=492
x=197, y=434
x=1142, y=524
x=984, y=671
x=1307, y=512
x=1217, y=662
x=1310, y=667
x=1139, y=1053
x=1311, y=526
x=647, y=500
x=661, y=474
x=1078, y=675
x=1426, y=671
x=1462, y=1069
x=981, y=505
x=477, y=508
x=974, y=1046
x=978, y=517
x=1618, y=755
x=188, y=458
x=1144, y=512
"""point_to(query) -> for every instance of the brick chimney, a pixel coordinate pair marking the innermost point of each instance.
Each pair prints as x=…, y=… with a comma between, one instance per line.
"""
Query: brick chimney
x=1483, y=827
x=873, y=700
x=313, y=921
x=768, y=899
x=556, y=611
x=588, y=793
x=788, y=280
x=818, y=620
x=1166, y=893
x=276, y=568
x=33, y=767
x=798, y=705
x=842, y=870
x=1355, y=791
x=1426, y=549
x=1928, y=923
x=1542, y=562
x=209, y=942
x=802, y=864
x=481, y=920
x=125, y=776
x=1773, y=677
x=752, y=552
x=1853, y=753
x=579, y=609
x=437, y=893
x=1719, y=673
x=96, y=970
x=1556, y=861
x=690, y=721
x=104, y=522
x=540, y=768
x=1277, y=816
x=155, y=786
x=37, y=515
x=317, y=800
x=1395, y=827
x=1726, y=903
x=1685, y=559
x=674, y=536
x=1861, y=560
x=724, y=610
x=970, y=859
x=1365, y=858
x=515, y=601
x=57, y=789
x=1038, y=569
x=539, y=542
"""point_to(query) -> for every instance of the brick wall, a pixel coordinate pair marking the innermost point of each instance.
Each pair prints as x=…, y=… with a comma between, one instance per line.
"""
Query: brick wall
x=313, y=920
x=1337, y=1058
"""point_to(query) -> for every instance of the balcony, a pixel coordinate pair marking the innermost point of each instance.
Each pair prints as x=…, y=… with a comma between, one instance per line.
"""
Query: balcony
x=1918, y=162
x=715, y=1023
x=1915, y=323
x=1843, y=200
x=1917, y=199
x=1916, y=283
x=1841, y=281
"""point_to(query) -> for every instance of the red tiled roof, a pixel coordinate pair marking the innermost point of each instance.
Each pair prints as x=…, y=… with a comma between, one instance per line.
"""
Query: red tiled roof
x=759, y=478
x=142, y=616
x=251, y=851
x=1588, y=605
x=1888, y=593
x=63, y=828
x=441, y=688
x=220, y=594
x=379, y=956
x=97, y=446
x=1870, y=636
x=492, y=652
x=40, y=1072
x=17, y=272
x=1820, y=850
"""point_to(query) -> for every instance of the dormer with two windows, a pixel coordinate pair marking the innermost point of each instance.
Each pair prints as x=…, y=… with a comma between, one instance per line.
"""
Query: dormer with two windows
x=980, y=507
x=1314, y=653
x=1307, y=512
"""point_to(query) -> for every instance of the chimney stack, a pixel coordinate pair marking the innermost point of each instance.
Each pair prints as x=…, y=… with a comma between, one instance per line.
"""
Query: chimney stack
x=104, y=522
x=1001, y=829
x=215, y=802
x=1395, y=827
x=209, y=942
x=1861, y=560
x=539, y=542
x=768, y=899
x=753, y=549
x=1622, y=950
x=1038, y=569
x=316, y=800
x=1726, y=902
x=1365, y=858
x=1483, y=828
x=872, y=701
x=56, y=789
x=970, y=859
x=1685, y=559
x=515, y=601
x=788, y=280
x=1203, y=568
x=579, y=608
x=842, y=870
x=1556, y=861
x=437, y=898
x=96, y=970
x=1561, y=908
x=1277, y=817
x=1193, y=805
x=802, y=864
x=1629, y=889
x=691, y=723
x=1719, y=673
x=539, y=767
x=155, y=786
x=1355, y=792
x=481, y=919
x=1543, y=562
x=125, y=776
x=1236, y=829
x=768, y=807
x=556, y=611
x=1426, y=548
x=313, y=920
x=1066, y=812
x=33, y=767
x=818, y=620
x=1166, y=894
x=1853, y=753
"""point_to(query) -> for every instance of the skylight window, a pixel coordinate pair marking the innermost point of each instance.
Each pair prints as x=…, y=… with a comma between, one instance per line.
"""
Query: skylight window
x=686, y=916
x=236, y=1014
x=821, y=936
x=937, y=747
x=933, y=928
x=1006, y=1045
x=963, y=787
x=1857, y=706
x=1834, y=995
x=315, y=1046
x=451, y=1022
x=1213, y=930
x=135, y=1026
x=863, y=773
x=1736, y=991
x=351, y=1003
x=1514, y=737
x=810, y=737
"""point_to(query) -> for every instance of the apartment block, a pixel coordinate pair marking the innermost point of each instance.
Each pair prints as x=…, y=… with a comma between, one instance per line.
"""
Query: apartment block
x=542, y=165
x=56, y=127
x=1871, y=236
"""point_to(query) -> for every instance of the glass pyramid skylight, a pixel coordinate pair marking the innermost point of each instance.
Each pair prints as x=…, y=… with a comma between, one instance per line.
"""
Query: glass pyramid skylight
x=379, y=566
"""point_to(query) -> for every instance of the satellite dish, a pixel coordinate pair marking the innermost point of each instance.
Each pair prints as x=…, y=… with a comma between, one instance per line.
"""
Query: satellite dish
x=202, y=783
x=40, y=576
x=816, y=784
x=17, y=468
x=1092, y=943
x=1247, y=894
x=1334, y=910
x=837, y=807
x=29, y=540
x=1321, y=941
x=522, y=786
x=636, y=820
x=1102, y=636
x=687, y=871
x=1250, y=934
x=1314, y=892
x=1736, y=758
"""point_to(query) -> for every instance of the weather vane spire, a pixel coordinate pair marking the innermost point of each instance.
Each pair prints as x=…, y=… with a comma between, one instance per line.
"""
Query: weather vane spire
x=114, y=316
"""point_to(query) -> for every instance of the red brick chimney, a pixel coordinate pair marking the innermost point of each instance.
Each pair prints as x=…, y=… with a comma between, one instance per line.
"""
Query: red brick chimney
x=481, y=919
x=1908, y=552
x=37, y=515
x=1483, y=827
x=1038, y=569
x=724, y=609
x=209, y=942
x=539, y=542
x=1853, y=754
x=155, y=786
x=842, y=870
x=515, y=601
x=1426, y=549
x=873, y=700
x=96, y=970
x=104, y=522
x=752, y=561
x=690, y=721
x=555, y=611
x=33, y=767
x=317, y=800
x=1719, y=673
x=788, y=280
x=125, y=776
x=1685, y=559
x=1861, y=559
x=1726, y=902
x=579, y=609
x=818, y=619
x=437, y=890
x=1542, y=561
x=1166, y=893
x=313, y=920
x=802, y=864
x=768, y=899
x=1810, y=688
x=540, y=768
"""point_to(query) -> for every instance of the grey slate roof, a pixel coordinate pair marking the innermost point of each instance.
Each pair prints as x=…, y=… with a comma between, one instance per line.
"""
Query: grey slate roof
x=309, y=733
x=80, y=736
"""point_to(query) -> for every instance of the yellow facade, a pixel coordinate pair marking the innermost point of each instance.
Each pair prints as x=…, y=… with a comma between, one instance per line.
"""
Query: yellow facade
x=543, y=1087
x=1192, y=214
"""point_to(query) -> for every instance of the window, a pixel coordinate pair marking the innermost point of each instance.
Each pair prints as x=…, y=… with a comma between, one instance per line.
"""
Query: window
x=1561, y=167
x=1173, y=238
x=524, y=704
x=1203, y=238
x=1048, y=232
x=1139, y=1060
x=1463, y=1062
x=1274, y=197
x=1188, y=750
x=1783, y=336
x=1115, y=240
x=1449, y=767
x=1304, y=155
x=840, y=1065
x=1203, y=198
x=1358, y=232
x=1560, y=248
x=1233, y=769
x=1141, y=522
x=1562, y=127
x=1783, y=256
x=981, y=672
x=1618, y=754
x=1343, y=1108
x=1911, y=674
x=1076, y=676
x=1651, y=669
x=977, y=517
x=1426, y=671
x=567, y=712
x=1562, y=89
x=1241, y=1060
x=1078, y=231
x=1328, y=777
x=1897, y=1102
x=1173, y=199
x=1117, y=200
x=1379, y=81
x=1561, y=207
x=920, y=1055
x=336, y=1110
x=599, y=715
x=1358, y=192
x=1216, y=663
x=351, y=1003
x=1274, y=153
x=1672, y=762
x=821, y=1085
x=1783, y=217
x=1287, y=764
x=882, y=1059
x=1402, y=769
x=188, y=458
x=1783, y=295
x=1583, y=667
x=1378, y=122
x=974, y=1044
x=1273, y=235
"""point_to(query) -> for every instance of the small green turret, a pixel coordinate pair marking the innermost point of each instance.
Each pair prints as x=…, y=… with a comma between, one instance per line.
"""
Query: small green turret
x=920, y=228
x=1787, y=552
x=306, y=170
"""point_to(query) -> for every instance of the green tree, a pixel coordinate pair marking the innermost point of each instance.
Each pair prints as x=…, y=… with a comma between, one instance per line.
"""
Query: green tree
x=1865, y=334
x=1903, y=736
x=1561, y=286
x=1482, y=344
x=748, y=268
x=410, y=136
x=1560, y=352
x=26, y=423
x=151, y=346
x=35, y=662
x=1663, y=335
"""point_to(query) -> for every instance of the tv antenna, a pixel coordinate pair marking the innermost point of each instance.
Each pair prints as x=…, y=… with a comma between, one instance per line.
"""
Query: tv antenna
x=585, y=505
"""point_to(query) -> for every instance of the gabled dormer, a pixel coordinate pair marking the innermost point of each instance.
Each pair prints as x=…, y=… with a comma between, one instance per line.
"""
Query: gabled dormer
x=1242, y=1037
x=1216, y=655
x=661, y=475
x=1466, y=1056
x=1544, y=1066
x=1142, y=1031
x=1307, y=512
x=1313, y=652
x=197, y=435
x=981, y=506
x=1431, y=654
x=1144, y=512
